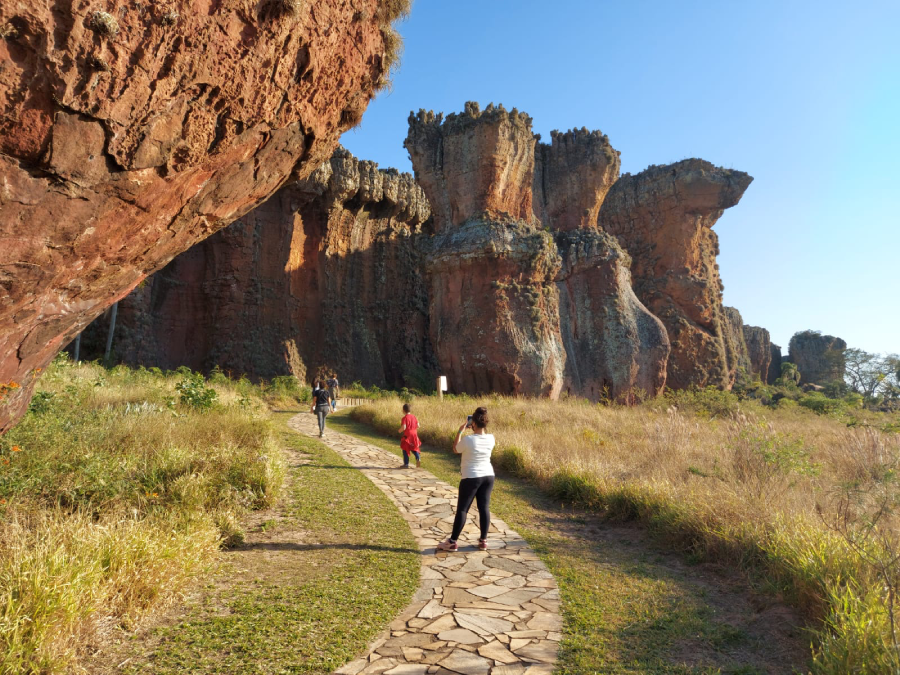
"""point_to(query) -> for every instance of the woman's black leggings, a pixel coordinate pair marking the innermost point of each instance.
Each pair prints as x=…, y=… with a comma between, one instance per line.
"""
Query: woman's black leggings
x=478, y=489
x=322, y=412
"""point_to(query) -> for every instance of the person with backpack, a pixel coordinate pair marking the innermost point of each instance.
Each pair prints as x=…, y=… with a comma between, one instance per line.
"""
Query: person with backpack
x=321, y=405
x=333, y=389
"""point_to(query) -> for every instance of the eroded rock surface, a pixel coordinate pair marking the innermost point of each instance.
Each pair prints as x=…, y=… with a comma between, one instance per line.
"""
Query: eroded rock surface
x=736, y=352
x=615, y=348
x=759, y=351
x=129, y=132
x=329, y=271
x=572, y=175
x=663, y=217
x=509, y=312
x=775, y=364
x=819, y=358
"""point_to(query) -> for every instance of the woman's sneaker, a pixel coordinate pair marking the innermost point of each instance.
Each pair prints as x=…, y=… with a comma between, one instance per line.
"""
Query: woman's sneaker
x=418, y=463
x=447, y=546
x=482, y=544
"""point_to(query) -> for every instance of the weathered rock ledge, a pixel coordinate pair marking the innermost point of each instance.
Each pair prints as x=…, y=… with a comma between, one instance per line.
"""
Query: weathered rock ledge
x=131, y=131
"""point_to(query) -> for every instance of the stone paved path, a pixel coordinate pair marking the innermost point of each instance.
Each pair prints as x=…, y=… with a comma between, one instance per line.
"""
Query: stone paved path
x=493, y=612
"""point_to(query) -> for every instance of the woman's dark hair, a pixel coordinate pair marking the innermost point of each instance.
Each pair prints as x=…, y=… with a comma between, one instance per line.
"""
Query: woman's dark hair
x=407, y=408
x=480, y=417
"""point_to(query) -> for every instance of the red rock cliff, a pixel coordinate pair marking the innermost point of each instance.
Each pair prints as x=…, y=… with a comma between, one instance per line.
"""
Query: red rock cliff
x=129, y=131
x=494, y=305
x=509, y=313
x=663, y=217
x=328, y=272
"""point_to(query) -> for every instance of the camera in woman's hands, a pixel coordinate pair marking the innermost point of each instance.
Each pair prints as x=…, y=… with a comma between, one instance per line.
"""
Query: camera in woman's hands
x=469, y=422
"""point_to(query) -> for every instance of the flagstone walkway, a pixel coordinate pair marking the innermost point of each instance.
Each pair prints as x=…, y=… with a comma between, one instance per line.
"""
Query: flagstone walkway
x=493, y=612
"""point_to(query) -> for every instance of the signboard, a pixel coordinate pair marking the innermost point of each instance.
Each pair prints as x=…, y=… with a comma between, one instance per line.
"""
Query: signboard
x=442, y=383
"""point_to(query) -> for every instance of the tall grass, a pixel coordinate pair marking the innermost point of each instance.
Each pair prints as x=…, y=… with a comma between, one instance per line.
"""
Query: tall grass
x=114, y=492
x=748, y=485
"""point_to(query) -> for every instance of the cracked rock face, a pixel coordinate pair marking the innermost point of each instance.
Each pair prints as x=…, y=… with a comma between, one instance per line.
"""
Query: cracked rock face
x=328, y=272
x=130, y=131
x=494, y=306
x=663, y=217
x=616, y=349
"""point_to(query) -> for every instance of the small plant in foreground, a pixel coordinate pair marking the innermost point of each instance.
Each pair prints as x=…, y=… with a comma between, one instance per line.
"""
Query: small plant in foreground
x=193, y=392
x=765, y=460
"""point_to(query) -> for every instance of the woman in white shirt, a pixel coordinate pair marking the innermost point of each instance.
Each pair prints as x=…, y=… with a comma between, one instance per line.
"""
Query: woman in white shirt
x=477, y=477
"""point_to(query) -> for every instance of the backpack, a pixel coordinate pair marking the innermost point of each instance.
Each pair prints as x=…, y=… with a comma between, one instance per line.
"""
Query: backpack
x=321, y=397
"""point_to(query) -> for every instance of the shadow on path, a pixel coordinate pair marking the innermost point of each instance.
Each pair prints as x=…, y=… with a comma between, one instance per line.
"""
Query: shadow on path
x=292, y=546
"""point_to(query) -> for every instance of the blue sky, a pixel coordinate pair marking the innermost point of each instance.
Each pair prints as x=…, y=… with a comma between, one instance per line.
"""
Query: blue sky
x=804, y=96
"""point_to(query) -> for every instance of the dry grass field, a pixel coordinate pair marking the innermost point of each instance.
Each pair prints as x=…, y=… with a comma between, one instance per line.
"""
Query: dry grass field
x=804, y=503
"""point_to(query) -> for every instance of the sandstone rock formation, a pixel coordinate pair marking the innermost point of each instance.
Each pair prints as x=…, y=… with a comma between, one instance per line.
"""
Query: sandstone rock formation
x=130, y=131
x=572, y=176
x=329, y=271
x=663, y=217
x=759, y=351
x=496, y=273
x=615, y=348
x=819, y=358
x=509, y=286
x=738, y=358
x=494, y=307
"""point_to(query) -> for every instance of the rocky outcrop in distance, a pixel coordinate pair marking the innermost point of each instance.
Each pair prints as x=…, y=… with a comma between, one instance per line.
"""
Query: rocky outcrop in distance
x=775, y=364
x=760, y=352
x=131, y=131
x=819, y=358
x=504, y=265
x=663, y=217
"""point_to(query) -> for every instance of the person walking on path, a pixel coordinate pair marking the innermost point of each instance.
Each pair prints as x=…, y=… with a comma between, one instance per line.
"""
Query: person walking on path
x=321, y=405
x=477, y=477
x=409, y=436
x=334, y=390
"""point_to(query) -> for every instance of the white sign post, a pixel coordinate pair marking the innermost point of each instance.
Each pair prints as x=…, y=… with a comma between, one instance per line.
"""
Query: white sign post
x=441, y=386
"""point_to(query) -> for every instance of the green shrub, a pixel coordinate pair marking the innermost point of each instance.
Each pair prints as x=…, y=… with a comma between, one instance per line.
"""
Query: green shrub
x=193, y=392
x=821, y=404
x=707, y=401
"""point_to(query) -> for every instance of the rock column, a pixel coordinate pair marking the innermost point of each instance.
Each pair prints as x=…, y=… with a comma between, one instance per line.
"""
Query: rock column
x=494, y=312
x=663, y=217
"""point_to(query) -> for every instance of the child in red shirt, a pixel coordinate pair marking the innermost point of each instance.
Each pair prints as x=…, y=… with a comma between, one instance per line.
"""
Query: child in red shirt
x=409, y=436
